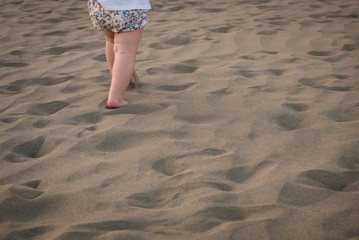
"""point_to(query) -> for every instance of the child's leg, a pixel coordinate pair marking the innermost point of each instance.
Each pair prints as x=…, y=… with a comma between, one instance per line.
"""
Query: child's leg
x=125, y=49
x=110, y=56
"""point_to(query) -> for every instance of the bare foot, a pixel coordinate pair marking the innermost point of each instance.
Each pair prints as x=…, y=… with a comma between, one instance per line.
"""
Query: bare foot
x=111, y=104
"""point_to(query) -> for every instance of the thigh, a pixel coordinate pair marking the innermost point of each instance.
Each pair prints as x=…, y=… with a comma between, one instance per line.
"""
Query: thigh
x=128, y=41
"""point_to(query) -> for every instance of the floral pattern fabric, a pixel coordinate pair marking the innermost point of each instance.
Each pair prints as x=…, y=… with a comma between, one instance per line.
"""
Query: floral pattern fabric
x=116, y=21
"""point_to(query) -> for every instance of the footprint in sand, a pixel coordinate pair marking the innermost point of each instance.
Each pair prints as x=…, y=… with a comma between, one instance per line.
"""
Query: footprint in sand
x=166, y=197
x=176, y=88
x=255, y=73
x=297, y=107
x=86, y=131
x=29, y=190
x=350, y=47
x=311, y=82
x=268, y=32
x=9, y=119
x=173, y=165
x=297, y=194
x=222, y=92
x=278, y=72
x=117, y=229
x=55, y=33
x=288, y=121
x=17, y=53
x=225, y=29
x=158, y=198
x=259, y=55
x=250, y=73
x=25, y=202
x=340, y=76
x=225, y=213
x=41, y=123
x=19, y=85
x=340, y=181
x=332, y=82
x=344, y=114
x=87, y=118
x=210, y=217
x=44, y=109
x=315, y=185
x=179, y=68
x=159, y=46
x=29, y=233
x=60, y=50
x=51, y=81
x=349, y=159
x=175, y=9
x=320, y=53
x=212, y=10
x=179, y=40
x=54, y=20
x=241, y=174
x=4, y=64
x=342, y=225
x=100, y=58
x=115, y=141
x=33, y=149
x=11, y=89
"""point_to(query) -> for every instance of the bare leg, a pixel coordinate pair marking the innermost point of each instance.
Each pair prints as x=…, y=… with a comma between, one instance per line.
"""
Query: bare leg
x=125, y=47
x=110, y=55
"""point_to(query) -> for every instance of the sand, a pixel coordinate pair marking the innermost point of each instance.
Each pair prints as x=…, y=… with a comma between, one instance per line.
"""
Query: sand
x=245, y=124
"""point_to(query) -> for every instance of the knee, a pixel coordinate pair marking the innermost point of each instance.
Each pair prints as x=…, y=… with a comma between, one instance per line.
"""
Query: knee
x=119, y=49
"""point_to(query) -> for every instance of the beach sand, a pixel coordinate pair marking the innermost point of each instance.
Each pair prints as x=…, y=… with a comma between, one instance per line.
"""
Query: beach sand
x=245, y=124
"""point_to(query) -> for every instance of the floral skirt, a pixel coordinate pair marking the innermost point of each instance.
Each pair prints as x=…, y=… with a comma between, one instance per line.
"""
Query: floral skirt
x=116, y=21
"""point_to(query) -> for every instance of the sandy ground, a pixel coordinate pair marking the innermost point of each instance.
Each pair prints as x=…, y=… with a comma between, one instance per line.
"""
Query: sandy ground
x=245, y=125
